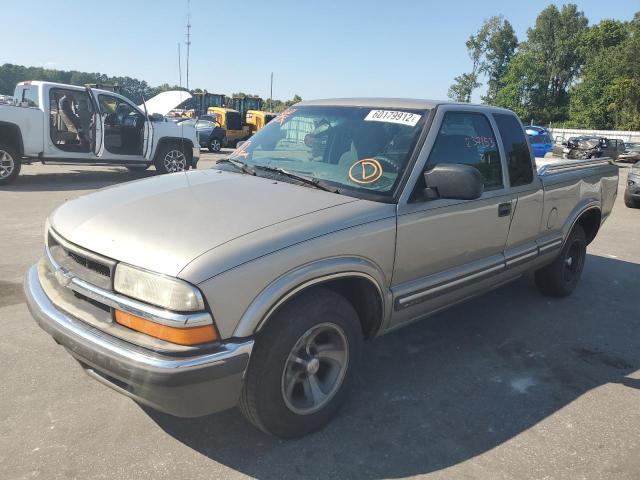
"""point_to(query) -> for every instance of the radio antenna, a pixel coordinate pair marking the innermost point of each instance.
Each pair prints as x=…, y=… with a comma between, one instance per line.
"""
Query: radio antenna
x=179, y=66
x=188, y=37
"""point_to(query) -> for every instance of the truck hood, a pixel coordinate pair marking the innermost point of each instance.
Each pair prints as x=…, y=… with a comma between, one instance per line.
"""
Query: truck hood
x=163, y=223
x=164, y=102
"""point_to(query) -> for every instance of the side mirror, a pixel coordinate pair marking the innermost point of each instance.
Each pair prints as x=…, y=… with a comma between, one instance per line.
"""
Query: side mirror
x=240, y=143
x=454, y=180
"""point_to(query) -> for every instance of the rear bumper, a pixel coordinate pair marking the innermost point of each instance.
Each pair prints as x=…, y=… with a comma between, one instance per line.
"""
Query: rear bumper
x=181, y=386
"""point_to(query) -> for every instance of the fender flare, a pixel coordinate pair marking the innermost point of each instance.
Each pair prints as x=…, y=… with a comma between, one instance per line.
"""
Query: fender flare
x=15, y=130
x=285, y=287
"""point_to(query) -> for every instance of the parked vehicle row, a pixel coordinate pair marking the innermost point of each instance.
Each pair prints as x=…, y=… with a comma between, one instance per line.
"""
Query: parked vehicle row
x=588, y=146
x=57, y=123
x=337, y=222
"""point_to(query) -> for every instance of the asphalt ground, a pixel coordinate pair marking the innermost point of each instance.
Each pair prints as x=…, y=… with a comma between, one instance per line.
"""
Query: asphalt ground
x=510, y=385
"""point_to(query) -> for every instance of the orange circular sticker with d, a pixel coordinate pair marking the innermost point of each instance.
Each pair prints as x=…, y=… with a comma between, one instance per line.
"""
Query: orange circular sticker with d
x=365, y=171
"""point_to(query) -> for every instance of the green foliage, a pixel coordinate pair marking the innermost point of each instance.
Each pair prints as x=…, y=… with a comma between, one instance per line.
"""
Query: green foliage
x=490, y=50
x=565, y=71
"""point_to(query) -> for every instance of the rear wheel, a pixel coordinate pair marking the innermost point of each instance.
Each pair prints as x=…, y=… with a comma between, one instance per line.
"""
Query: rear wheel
x=215, y=145
x=560, y=278
x=9, y=165
x=171, y=158
x=302, y=365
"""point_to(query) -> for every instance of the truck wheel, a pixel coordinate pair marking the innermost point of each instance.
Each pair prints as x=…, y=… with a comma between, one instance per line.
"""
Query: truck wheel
x=302, y=365
x=215, y=145
x=560, y=278
x=9, y=165
x=171, y=158
x=631, y=202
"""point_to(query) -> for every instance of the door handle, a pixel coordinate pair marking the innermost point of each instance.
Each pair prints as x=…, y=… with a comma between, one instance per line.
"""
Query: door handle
x=504, y=209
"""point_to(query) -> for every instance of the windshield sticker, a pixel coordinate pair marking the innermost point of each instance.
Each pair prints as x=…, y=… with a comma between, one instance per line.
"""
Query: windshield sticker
x=392, y=116
x=242, y=151
x=486, y=142
x=365, y=171
x=284, y=116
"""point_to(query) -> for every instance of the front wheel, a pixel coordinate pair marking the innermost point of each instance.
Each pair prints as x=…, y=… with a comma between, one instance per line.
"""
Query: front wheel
x=631, y=202
x=215, y=145
x=302, y=365
x=9, y=165
x=559, y=279
x=171, y=158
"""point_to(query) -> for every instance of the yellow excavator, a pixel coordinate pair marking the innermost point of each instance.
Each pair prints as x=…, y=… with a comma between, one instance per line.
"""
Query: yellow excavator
x=257, y=119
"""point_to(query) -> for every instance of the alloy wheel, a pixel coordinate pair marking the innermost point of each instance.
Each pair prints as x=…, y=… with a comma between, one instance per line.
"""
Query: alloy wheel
x=315, y=369
x=6, y=164
x=175, y=161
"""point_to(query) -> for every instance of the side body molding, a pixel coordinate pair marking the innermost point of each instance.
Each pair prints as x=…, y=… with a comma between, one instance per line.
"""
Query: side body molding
x=308, y=275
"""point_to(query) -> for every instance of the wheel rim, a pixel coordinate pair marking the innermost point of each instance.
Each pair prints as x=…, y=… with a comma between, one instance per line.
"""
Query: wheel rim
x=175, y=161
x=6, y=164
x=215, y=145
x=315, y=369
x=572, y=262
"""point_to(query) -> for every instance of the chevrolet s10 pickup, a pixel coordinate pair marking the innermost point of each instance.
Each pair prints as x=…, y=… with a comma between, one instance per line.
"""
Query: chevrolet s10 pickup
x=257, y=281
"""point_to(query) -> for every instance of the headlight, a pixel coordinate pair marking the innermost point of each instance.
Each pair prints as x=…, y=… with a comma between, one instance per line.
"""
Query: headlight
x=166, y=292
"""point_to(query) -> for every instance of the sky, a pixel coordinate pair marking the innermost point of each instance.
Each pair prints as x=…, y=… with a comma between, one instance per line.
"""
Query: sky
x=315, y=49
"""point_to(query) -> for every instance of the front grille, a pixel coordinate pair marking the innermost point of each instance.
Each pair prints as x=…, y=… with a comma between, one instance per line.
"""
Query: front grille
x=103, y=270
x=85, y=265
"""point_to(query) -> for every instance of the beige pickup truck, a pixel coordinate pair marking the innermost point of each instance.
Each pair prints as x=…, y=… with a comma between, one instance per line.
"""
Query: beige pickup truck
x=257, y=281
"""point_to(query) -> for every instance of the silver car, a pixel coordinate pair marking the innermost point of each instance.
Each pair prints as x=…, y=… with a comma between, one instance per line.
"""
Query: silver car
x=257, y=282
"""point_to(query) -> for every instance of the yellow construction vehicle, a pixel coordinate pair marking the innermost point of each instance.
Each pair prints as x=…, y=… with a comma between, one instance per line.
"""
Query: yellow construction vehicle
x=257, y=119
x=231, y=121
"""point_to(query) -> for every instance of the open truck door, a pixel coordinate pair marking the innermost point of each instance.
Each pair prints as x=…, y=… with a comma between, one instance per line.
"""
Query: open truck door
x=147, y=136
x=97, y=144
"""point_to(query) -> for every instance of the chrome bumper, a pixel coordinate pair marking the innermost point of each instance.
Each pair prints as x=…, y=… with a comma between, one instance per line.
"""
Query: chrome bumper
x=182, y=386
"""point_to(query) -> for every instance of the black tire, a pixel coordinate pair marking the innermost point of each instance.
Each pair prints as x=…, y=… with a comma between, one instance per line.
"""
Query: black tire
x=137, y=168
x=263, y=401
x=172, y=157
x=10, y=165
x=631, y=202
x=559, y=279
x=215, y=144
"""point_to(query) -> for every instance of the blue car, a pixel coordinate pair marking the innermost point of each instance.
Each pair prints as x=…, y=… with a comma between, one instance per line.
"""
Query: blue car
x=540, y=140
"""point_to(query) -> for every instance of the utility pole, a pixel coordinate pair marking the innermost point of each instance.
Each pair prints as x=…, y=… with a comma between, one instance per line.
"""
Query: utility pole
x=188, y=37
x=179, y=65
x=271, y=94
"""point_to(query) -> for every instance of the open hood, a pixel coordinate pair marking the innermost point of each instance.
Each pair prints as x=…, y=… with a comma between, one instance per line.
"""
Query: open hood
x=164, y=102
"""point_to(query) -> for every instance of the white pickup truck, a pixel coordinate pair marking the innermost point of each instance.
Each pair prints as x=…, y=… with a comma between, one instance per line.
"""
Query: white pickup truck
x=57, y=123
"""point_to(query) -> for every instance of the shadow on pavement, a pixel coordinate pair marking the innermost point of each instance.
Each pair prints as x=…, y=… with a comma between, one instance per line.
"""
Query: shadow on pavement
x=452, y=387
x=65, y=180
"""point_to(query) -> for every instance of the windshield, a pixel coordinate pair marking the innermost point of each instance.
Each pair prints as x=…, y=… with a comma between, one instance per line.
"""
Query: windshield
x=352, y=148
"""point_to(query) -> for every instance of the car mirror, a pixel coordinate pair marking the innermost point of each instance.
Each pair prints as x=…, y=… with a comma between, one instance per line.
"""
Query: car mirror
x=455, y=181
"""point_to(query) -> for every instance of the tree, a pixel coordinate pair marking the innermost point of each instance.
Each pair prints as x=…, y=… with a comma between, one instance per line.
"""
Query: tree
x=490, y=50
x=546, y=65
x=463, y=87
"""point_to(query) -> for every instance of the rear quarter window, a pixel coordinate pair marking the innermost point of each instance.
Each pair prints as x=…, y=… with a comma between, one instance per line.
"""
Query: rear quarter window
x=515, y=148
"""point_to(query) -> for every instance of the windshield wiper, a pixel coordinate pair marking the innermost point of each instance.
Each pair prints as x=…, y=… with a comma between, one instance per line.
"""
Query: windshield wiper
x=314, y=182
x=243, y=167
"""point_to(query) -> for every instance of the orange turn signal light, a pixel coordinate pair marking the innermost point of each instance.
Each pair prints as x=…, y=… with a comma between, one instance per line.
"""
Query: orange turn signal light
x=180, y=336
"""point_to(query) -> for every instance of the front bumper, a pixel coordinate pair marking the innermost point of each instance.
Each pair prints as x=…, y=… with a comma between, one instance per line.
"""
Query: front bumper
x=188, y=386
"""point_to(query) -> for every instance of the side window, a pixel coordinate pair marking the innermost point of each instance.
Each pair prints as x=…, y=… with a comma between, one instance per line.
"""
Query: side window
x=515, y=148
x=30, y=97
x=466, y=137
